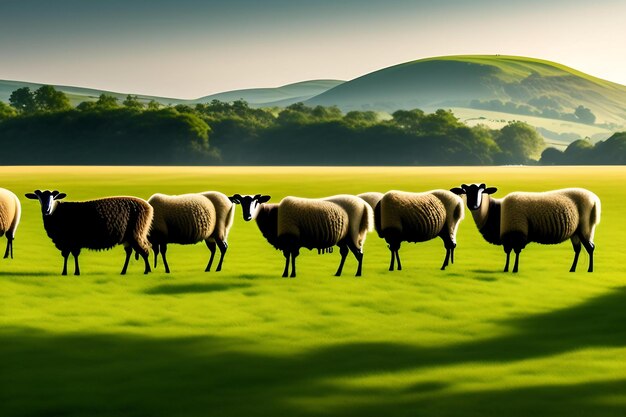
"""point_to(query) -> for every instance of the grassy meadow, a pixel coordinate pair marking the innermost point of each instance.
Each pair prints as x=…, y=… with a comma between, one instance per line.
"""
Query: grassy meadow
x=468, y=341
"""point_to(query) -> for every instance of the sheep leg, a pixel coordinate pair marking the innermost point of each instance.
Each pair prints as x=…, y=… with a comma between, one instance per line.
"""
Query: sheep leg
x=452, y=253
x=507, y=250
x=398, y=259
x=286, y=271
x=516, y=265
x=163, y=252
x=75, y=253
x=129, y=251
x=211, y=246
x=155, y=249
x=393, y=258
x=358, y=254
x=223, y=246
x=343, y=250
x=9, y=249
x=577, y=246
x=448, y=244
x=392, y=237
x=293, y=262
x=446, y=260
x=589, y=247
x=65, y=254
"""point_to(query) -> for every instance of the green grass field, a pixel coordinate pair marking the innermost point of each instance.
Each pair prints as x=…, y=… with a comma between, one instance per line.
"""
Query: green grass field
x=468, y=341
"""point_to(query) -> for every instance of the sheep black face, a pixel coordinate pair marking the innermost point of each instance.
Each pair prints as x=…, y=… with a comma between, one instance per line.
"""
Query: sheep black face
x=47, y=199
x=474, y=194
x=249, y=204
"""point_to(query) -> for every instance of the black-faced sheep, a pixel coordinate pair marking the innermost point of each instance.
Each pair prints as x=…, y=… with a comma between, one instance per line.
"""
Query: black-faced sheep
x=523, y=217
x=418, y=217
x=10, y=211
x=311, y=223
x=97, y=224
x=188, y=219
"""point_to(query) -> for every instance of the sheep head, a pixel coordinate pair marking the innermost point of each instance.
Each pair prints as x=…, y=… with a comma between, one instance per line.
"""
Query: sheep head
x=473, y=194
x=47, y=199
x=249, y=204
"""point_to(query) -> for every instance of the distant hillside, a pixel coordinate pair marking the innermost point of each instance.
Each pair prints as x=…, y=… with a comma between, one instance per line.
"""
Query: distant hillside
x=78, y=94
x=257, y=97
x=519, y=84
x=279, y=96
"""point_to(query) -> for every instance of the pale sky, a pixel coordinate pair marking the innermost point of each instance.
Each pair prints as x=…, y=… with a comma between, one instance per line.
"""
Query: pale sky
x=193, y=48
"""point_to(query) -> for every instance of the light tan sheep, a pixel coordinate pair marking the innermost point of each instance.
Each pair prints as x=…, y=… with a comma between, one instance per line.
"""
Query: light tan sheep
x=418, y=217
x=10, y=212
x=549, y=218
x=341, y=220
x=521, y=217
x=182, y=219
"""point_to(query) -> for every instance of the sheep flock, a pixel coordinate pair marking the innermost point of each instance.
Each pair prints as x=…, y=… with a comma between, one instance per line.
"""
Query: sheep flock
x=294, y=223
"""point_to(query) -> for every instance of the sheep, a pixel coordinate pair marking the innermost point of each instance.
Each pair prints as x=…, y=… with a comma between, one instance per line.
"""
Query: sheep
x=418, y=217
x=225, y=216
x=373, y=198
x=97, y=224
x=10, y=212
x=341, y=220
x=188, y=219
x=522, y=217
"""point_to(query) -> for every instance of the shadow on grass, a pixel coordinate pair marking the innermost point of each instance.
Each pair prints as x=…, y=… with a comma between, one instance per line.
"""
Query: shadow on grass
x=26, y=274
x=173, y=289
x=95, y=374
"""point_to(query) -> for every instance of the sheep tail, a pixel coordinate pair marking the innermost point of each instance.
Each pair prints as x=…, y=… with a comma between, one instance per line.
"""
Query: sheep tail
x=377, y=220
x=594, y=217
x=144, y=223
x=367, y=220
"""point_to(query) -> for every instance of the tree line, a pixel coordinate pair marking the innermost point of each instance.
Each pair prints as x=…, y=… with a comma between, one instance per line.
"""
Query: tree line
x=41, y=127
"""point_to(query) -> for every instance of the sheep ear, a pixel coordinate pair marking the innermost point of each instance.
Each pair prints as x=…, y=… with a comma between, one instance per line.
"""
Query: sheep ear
x=490, y=190
x=31, y=196
x=263, y=199
x=457, y=190
x=60, y=196
x=235, y=199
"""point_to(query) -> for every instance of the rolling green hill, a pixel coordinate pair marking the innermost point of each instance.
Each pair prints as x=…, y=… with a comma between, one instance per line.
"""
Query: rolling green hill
x=521, y=85
x=78, y=94
x=280, y=96
x=257, y=97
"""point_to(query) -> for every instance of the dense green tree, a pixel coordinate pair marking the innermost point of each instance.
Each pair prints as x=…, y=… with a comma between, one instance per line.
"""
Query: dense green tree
x=107, y=102
x=551, y=156
x=153, y=105
x=132, y=102
x=439, y=122
x=519, y=143
x=23, y=100
x=361, y=118
x=6, y=111
x=408, y=119
x=87, y=106
x=582, y=152
x=47, y=98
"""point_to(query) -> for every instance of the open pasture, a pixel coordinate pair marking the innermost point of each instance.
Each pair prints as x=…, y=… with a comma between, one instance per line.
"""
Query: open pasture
x=468, y=341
